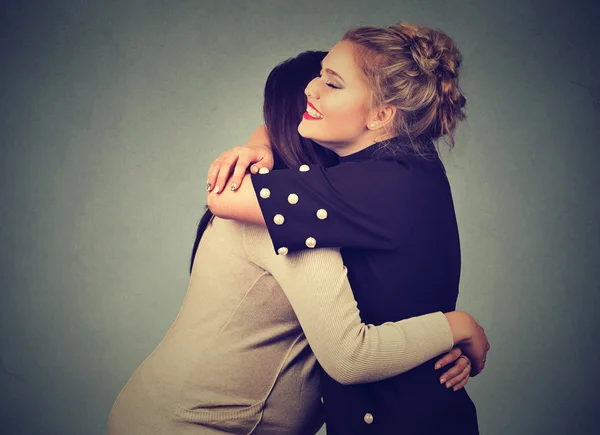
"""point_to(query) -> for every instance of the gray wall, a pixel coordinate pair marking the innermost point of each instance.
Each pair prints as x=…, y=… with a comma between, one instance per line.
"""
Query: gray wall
x=112, y=111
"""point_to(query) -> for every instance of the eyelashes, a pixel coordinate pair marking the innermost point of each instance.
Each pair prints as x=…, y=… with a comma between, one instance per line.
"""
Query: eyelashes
x=331, y=85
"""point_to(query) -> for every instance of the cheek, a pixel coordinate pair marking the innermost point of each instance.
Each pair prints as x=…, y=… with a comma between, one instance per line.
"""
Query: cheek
x=348, y=114
x=340, y=108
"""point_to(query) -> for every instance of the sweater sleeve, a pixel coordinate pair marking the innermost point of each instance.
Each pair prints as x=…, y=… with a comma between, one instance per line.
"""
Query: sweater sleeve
x=350, y=351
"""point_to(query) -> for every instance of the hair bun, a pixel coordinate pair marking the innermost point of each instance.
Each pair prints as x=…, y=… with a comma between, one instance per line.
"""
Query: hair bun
x=425, y=55
x=435, y=55
x=414, y=68
x=432, y=50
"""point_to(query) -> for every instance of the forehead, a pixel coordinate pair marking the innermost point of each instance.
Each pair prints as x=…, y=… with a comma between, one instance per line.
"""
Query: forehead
x=341, y=59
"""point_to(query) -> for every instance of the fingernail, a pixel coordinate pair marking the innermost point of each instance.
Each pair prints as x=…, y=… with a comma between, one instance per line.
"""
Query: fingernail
x=263, y=170
x=455, y=388
x=217, y=188
x=253, y=169
x=207, y=187
x=437, y=366
x=448, y=385
x=442, y=380
x=233, y=187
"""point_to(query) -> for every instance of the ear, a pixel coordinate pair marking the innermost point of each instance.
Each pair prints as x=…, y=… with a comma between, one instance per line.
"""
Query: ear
x=381, y=117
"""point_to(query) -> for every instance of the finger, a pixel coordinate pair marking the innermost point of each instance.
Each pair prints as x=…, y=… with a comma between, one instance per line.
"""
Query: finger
x=238, y=155
x=476, y=368
x=263, y=158
x=225, y=172
x=213, y=171
x=449, y=358
x=258, y=169
x=454, y=371
x=461, y=384
x=239, y=171
x=459, y=377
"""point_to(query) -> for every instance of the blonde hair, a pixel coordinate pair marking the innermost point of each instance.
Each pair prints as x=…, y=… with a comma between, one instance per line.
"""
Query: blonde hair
x=415, y=69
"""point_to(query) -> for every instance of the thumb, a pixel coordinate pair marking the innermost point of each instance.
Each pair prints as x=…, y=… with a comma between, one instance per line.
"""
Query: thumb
x=263, y=159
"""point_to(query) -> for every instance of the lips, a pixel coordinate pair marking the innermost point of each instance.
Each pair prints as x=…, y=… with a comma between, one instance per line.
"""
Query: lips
x=312, y=112
x=306, y=115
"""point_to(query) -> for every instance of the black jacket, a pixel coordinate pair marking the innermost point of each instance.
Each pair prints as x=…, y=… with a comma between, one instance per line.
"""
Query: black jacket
x=391, y=212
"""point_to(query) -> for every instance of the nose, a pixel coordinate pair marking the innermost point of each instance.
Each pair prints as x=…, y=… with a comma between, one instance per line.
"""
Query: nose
x=312, y=89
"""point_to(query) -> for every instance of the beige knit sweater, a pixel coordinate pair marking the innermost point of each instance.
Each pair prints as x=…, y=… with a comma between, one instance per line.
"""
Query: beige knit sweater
x=237, y=358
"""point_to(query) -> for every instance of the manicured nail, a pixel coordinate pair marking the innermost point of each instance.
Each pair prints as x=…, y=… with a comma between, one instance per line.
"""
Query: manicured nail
x=442, y=380
x=263, y=170
x=217, y=188
x=448, y=385
x=437, y=366
x=233, y=187
x=455, y=388
x=253, y=169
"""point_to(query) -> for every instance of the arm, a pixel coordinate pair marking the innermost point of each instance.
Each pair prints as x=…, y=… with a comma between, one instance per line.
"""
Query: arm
x=259, y=137
x=350, y=351
x=241, y=205
x=334, y=205
x=244, y=205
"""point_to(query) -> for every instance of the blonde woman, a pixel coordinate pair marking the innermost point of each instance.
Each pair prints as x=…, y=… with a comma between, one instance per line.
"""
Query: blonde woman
x=384, y=96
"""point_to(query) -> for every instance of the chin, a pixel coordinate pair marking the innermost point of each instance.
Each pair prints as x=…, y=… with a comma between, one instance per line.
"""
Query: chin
x=304, y=131
x=307, y=131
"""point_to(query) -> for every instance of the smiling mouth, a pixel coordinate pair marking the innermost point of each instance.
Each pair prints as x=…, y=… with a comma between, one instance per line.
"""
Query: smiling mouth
x=314, y=113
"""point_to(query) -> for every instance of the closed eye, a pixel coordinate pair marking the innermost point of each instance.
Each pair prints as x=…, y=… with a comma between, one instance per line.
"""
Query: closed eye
x=331, y=85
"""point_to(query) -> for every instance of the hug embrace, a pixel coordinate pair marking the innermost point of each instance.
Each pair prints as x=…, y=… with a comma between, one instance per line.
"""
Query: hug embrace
x=324, y=282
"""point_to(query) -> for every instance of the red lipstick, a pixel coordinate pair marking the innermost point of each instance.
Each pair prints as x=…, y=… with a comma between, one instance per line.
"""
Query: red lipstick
x=311, y=105
x=310, y=118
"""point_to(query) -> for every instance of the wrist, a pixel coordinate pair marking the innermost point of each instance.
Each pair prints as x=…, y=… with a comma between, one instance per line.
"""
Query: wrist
x=462, y=325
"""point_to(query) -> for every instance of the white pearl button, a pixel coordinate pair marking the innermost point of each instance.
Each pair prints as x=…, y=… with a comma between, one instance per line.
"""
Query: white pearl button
x=264, y=193
x=311, y=242
x=322, y=213
x=322, y=401
x=304, y=168
x=263, y=170
x=368, y=418
x=282, y=251
x=293, y=198
x=278, y=219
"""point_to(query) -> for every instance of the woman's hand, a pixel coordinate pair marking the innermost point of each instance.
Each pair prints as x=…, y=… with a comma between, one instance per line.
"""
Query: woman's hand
x=457, y=376
x=470, y=337
x=476, y=348
x=234, y=163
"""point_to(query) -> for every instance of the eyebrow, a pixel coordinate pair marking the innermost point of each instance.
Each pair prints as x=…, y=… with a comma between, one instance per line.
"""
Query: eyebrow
x=333, y=73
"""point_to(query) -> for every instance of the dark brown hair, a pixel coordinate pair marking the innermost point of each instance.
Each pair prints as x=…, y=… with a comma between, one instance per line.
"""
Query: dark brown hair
x=284, y=105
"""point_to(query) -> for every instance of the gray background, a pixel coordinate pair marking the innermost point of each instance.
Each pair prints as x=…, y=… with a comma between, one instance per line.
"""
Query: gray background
x=111, y=112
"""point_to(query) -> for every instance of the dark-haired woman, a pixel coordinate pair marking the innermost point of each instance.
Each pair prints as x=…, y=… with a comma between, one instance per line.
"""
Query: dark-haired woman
x=383, y=97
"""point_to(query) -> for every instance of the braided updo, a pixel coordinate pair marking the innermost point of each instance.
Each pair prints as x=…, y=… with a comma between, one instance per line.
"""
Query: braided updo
x=415, y=69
